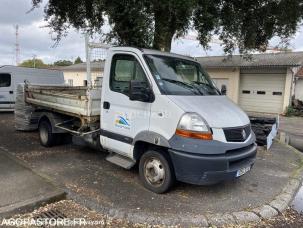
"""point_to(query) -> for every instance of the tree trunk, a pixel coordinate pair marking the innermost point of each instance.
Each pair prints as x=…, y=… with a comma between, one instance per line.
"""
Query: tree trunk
x=164, y=32
x=162, y=40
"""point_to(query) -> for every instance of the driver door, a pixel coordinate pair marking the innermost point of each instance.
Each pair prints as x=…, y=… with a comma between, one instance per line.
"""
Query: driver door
x=121, y=118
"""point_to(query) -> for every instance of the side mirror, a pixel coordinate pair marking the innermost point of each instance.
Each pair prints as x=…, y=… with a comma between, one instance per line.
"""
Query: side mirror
x=139, y=91
x=223, y=89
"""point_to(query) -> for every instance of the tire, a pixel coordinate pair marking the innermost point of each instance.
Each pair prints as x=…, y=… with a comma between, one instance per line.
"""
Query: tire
x=47, y=137
x=156, y=171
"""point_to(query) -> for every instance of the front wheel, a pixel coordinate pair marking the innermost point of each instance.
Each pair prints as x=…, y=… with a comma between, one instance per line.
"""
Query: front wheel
x=156, y=171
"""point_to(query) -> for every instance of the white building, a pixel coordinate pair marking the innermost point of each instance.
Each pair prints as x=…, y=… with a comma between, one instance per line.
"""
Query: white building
x=262, y=83
x=76, y=74
x=299, y=85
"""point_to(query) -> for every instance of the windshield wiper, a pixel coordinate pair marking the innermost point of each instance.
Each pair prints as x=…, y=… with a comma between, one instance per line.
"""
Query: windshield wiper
x=184, y=84
x=201, y=83
x=209, y=87
x=178, y=82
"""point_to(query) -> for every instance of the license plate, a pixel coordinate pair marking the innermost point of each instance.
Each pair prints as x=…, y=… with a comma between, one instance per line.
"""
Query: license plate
x=242, y=171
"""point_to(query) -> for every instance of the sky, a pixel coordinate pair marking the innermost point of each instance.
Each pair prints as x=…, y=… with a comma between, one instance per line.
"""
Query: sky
x=36, y=40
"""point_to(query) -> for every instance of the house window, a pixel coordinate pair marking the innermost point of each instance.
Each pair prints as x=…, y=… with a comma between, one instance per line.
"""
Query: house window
x=5, y=80
x=277, y=93
x=70, y=82
x=261, y=92
x=246, y=91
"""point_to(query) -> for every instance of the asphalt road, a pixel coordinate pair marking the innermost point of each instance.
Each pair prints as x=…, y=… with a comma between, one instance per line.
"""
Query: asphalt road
x=104, y=187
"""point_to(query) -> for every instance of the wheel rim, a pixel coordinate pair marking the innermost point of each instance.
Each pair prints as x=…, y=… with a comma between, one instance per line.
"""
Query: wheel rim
x=43, y=134
x=154, y=172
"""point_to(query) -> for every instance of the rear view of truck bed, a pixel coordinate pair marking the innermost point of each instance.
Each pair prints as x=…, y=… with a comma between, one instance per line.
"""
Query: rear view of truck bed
x=81, y=102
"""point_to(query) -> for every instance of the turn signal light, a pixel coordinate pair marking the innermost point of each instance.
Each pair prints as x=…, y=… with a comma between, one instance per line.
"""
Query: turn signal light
x=195, y=135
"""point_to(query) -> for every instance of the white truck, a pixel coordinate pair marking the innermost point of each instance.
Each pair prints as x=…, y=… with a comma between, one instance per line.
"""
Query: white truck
x=11, y=76
x=157, y=109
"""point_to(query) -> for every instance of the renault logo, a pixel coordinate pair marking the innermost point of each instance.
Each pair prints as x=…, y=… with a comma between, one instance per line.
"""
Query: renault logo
x=243, y=134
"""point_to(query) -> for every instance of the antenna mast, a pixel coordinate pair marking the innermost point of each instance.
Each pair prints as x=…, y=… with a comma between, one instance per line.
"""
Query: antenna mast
x=17, y=46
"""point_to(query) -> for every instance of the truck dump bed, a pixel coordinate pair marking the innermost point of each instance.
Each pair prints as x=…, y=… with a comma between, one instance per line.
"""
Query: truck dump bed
x=81, y=102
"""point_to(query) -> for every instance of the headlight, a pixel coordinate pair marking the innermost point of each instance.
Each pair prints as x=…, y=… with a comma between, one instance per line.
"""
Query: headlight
x=191, y=125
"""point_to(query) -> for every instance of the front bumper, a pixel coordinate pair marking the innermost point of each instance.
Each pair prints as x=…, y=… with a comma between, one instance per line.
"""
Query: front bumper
x=205, y=169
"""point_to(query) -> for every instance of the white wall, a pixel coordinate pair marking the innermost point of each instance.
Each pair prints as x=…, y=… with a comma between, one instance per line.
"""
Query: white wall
x=299, y=89
x=79, y=77
x=287, y=91
x=233, y=77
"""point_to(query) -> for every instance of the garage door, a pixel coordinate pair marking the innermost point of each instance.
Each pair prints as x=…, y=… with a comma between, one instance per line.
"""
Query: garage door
x=262, y=90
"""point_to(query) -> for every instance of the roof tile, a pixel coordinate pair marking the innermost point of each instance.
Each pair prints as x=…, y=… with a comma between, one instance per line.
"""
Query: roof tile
x=95, y=66
x=272, y=59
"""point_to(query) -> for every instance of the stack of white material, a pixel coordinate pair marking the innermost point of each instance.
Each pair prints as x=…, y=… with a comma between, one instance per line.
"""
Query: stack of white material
x=26, y=119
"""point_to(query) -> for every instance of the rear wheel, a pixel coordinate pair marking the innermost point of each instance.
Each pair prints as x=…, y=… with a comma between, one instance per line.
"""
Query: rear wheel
x=46, y=135
x=156, y=171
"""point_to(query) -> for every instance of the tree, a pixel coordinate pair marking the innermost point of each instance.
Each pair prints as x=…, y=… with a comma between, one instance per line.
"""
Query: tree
x=78, y=60
x=33, y=63
x=63, y=63
x=247, y=25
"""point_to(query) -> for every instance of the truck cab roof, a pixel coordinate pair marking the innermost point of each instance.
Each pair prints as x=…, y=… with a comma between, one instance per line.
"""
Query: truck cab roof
x=150, y=52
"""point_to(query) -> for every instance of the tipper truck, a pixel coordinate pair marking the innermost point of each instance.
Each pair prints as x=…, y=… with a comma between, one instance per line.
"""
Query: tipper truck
x=155, y=109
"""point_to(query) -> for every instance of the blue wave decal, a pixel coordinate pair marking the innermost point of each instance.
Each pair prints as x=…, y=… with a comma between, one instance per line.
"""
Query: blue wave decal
x=123, y=121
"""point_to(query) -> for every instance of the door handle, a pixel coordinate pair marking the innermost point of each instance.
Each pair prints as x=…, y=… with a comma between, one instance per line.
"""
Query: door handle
x=106, y=105
x=11, y=92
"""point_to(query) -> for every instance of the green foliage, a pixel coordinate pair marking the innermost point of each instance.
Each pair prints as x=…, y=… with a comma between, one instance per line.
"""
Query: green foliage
x=247, y=25
x=78, y=60
x=63, y=63
x=291, y=111
x=33, y=63
x=131, y=22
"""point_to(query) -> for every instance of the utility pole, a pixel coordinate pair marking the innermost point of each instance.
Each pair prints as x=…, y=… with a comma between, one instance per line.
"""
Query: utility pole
x=34, y=60
x=17, y=45
x=87, y=52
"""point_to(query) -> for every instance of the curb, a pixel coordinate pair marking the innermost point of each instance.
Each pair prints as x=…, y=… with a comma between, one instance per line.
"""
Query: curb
x=279, y=204
x=268, y=210
x=31, y=204
x=25, y=165
x=35, y=202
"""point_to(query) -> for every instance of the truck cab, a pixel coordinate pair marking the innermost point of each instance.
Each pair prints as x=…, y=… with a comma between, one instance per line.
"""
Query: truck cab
x=163, y=111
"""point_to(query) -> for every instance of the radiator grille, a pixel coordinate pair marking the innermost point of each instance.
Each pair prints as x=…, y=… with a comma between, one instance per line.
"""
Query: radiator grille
x=239, y=134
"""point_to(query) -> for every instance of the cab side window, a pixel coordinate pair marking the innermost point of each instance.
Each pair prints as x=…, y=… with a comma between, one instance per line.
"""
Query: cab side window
x=124, y=69
x=5, y=80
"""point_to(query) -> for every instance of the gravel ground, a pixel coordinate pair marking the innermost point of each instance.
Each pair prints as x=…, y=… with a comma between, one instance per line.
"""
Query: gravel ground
x=71, y=210
x=290, y=218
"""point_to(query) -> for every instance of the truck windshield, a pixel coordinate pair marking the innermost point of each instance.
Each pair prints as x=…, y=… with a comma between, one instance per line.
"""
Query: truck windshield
x=176, y=76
